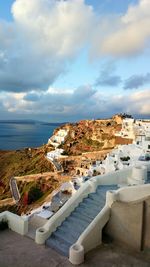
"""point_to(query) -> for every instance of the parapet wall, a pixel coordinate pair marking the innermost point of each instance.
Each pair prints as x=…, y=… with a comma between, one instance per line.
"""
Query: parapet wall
x=133, y=193
x=125, y=224
x=15, y=222
x=116, y=177
x=129, y=223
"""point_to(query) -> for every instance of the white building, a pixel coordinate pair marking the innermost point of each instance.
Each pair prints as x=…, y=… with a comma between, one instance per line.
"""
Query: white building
x=127, y=155
x=55, y=154
x=127, y=130
x=59, y=137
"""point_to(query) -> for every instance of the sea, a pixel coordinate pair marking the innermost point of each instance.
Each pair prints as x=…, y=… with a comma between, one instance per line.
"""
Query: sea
x=22, y=134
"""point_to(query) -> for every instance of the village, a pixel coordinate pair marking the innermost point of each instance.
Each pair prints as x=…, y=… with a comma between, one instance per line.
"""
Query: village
x=81, y=169
x=125, y=166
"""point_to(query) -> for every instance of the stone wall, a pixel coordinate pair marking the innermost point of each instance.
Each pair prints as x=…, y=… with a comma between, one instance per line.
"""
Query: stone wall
x=122, y=141
x=146, y=225
x=129, y=224
x=125, y=224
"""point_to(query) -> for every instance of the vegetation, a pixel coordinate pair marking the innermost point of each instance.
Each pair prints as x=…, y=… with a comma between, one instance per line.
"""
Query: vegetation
x=147, y=158
x=92, y=142
x=34, y=194
x=64, y=153
x=125, y=158
x=91, y=135
x=19, y=163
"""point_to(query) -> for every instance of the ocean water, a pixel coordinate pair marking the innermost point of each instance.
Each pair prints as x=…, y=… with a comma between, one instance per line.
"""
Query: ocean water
x=21, y=134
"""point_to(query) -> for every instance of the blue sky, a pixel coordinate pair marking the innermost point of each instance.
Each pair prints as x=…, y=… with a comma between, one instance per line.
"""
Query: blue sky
x=5, y=9
x=75, y=59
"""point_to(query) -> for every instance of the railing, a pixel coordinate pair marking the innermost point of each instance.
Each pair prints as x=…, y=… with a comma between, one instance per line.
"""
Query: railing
x=90, y=186
x=43, y=233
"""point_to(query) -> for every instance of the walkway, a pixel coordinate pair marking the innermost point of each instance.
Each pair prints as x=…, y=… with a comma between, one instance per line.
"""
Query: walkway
x=57, y=166
x=34, y=222
x=26, y=253
x=14, y=189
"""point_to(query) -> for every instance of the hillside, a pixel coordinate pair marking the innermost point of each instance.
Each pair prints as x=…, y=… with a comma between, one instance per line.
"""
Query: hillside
x=19, y=163
x=92, y=135
x=84, y=136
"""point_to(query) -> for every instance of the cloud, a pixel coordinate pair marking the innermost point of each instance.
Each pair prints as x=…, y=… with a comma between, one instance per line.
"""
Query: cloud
x=137, y=81
x=45, y=36
x=67, y=105
x=107, y=76
x=42, y=41
x=125, y=35
x=136, y=103
x=37, y=46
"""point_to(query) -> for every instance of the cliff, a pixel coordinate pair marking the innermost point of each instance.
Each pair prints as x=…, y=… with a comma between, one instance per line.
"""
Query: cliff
x=91, y=135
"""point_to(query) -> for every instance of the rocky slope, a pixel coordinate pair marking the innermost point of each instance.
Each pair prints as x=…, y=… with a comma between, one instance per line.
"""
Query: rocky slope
x=92, y=135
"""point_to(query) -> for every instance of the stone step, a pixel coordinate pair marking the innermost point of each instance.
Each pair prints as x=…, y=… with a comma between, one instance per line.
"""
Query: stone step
x=90, y=201
x=91, y=208
x=59, y=245
x=95, y=197
x=66, y=236
x=77, y=222
x=74, y=225
x=79, y=214
x=86, y=212
x=70, y=224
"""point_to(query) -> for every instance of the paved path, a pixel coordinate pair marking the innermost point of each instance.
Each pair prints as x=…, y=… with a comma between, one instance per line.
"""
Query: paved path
x=26, y=253
x=57, y=166
x=14, y=189
x=34, y=223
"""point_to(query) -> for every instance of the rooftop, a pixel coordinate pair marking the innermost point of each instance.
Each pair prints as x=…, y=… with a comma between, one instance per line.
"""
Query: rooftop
x=20, y=251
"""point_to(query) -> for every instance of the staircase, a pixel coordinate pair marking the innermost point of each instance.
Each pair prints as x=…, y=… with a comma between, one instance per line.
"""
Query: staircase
x=57, y=165
x=74, y=225
x=34, y=223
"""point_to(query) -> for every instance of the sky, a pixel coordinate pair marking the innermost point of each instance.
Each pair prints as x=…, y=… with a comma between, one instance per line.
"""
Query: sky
x=67, y=60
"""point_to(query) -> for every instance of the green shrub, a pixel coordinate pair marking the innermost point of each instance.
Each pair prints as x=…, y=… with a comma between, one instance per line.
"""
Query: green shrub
x=3, y=225
x=34, y=194
x=125, y=158
x=64, y=153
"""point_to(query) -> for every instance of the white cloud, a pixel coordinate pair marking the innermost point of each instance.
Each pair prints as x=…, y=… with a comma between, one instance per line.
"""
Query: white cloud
x=70, y=105
x=45, y=35
x=125, y=35
x=134, y=103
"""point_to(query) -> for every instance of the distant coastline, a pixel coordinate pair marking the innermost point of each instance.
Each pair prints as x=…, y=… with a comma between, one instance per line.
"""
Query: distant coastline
x=31, y=122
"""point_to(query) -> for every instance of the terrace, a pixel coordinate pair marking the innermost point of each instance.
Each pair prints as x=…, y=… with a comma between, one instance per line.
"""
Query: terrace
x=27, y=253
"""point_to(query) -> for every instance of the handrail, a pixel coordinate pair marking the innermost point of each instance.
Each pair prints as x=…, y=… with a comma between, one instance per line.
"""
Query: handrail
x=90, y=238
